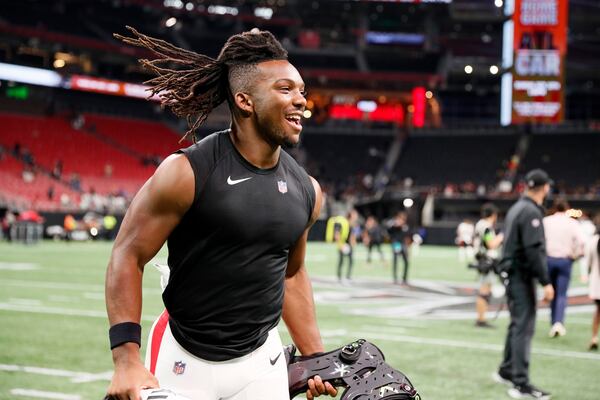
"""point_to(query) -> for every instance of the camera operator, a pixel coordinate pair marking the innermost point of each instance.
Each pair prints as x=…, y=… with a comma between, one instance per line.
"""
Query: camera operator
x=486, y=244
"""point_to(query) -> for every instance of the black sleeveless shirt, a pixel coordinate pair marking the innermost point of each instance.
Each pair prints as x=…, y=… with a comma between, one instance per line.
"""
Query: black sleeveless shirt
x=229, y=253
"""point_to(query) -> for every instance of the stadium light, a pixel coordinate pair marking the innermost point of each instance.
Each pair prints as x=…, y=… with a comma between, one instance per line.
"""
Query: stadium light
x=263, y=12
x=499, y=3
x=189, y=6
x=468, y=69
x=170, y=22
x=366, y=105
x=428, y=94
x=178, y=4
x=34, y=76
x=307, y=114
x=222, y=10
x=408, y=203
x=493, y=69
x=58, y=63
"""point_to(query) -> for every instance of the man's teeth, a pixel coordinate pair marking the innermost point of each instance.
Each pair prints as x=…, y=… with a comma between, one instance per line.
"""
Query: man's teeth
x=293, y=118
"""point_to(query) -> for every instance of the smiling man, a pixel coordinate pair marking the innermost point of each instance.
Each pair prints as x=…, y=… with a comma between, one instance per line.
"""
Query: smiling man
x=235, y=212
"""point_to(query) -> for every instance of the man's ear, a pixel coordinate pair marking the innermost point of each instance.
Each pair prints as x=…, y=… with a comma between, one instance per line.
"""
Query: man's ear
x=244, y=104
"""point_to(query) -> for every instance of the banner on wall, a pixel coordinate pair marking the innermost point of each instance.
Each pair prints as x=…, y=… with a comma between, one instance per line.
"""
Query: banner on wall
x=538, y=68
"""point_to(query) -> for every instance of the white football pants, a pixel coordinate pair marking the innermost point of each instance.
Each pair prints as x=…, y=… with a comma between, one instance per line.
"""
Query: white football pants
x=260, y=375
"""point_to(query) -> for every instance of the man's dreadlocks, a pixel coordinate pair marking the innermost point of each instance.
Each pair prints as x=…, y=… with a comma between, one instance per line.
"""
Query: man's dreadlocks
x=197, y=84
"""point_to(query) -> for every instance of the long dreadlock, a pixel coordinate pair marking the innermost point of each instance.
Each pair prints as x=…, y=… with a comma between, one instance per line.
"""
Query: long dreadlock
x=199, y=83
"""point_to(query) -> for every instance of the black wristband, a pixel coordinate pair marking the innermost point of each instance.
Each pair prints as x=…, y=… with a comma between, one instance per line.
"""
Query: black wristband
x=125, y=332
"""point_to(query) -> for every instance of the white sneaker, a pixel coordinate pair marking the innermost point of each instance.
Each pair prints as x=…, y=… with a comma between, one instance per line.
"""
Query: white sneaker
x=501, y=379
x=558, y=329
x=528, y=391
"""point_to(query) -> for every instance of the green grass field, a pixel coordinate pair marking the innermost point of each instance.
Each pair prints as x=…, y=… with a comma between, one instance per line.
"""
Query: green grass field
x=53, y=325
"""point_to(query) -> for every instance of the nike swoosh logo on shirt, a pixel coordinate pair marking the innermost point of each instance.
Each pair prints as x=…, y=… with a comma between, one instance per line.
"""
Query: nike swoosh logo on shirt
x=273, y=361
x=236, y=181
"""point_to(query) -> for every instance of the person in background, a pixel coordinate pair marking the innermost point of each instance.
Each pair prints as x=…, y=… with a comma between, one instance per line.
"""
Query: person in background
x=7, y=223
x=69, y=224
x=109, y=224
x=57, y=169
x=524, y=261
x=400, y=236
x=341, y=231
x=486, y=244
x=373, y=237
x=564, y=244
x=593, y=278
x=588, y=229
x=464, y=240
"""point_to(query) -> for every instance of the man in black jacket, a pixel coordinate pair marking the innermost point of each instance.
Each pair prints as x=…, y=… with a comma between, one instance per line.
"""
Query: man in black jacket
x=524, y=259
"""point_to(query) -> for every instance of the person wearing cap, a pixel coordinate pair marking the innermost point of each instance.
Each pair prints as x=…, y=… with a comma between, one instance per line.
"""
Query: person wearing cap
x=486, y=243
x=524, y=262
x=565, y=243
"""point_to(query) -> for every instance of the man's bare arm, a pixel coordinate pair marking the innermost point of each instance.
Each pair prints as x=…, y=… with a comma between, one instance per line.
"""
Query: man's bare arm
x=153, y=214
x=299, y=307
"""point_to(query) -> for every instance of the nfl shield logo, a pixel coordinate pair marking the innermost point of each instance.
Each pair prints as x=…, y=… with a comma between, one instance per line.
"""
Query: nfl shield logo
x=178, y=367
x=282, y=186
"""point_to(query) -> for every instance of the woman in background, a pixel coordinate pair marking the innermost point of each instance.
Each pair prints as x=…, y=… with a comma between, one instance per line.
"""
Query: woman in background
x=593, y=255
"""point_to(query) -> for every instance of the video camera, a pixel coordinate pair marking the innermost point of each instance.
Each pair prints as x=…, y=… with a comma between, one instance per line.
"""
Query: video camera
x=484, y=264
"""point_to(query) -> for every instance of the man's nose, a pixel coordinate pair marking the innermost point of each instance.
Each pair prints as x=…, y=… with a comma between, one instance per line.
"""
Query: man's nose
x=300, y=100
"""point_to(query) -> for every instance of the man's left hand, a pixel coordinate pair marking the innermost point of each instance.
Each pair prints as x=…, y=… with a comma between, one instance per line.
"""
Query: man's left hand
x=548, y=292
x=317, y=387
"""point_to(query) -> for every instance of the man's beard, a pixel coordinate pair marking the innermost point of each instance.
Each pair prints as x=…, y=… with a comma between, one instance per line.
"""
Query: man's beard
x=288, y=144
x=275, y=134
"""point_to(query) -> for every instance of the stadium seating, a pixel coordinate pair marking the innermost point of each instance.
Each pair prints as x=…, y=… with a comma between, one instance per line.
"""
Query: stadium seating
x=34, y=194
x=145, y=138
x=101, y=165
x=51, y=139
x=431, y=160
x=579, y=165
x=340, y=157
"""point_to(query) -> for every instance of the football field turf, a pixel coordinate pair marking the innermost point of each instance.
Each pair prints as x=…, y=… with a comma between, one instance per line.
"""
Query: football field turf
x=53, y=325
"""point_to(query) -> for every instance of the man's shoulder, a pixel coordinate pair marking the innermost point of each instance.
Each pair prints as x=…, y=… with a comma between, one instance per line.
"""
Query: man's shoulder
x=526, y=207
x=533, y=210
x=209, y=142
x=172, y=182
x=287, y=158
x=481, y=224
x=207, y=152
x=290, y=163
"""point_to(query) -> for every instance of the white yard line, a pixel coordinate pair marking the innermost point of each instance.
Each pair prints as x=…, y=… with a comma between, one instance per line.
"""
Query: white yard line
x=474, y=346
x=44, y=395
x=59, y=311
x=18, y=266
x=410, y=310
x=24, y=302
x=316, y=258
x=66, y=286
x=94, y=295
x=52, y=285
x=74, y=376
x=333, y=332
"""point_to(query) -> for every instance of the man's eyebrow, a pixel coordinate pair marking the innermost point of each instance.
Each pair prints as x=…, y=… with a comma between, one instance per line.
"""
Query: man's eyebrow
x=290, y=81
